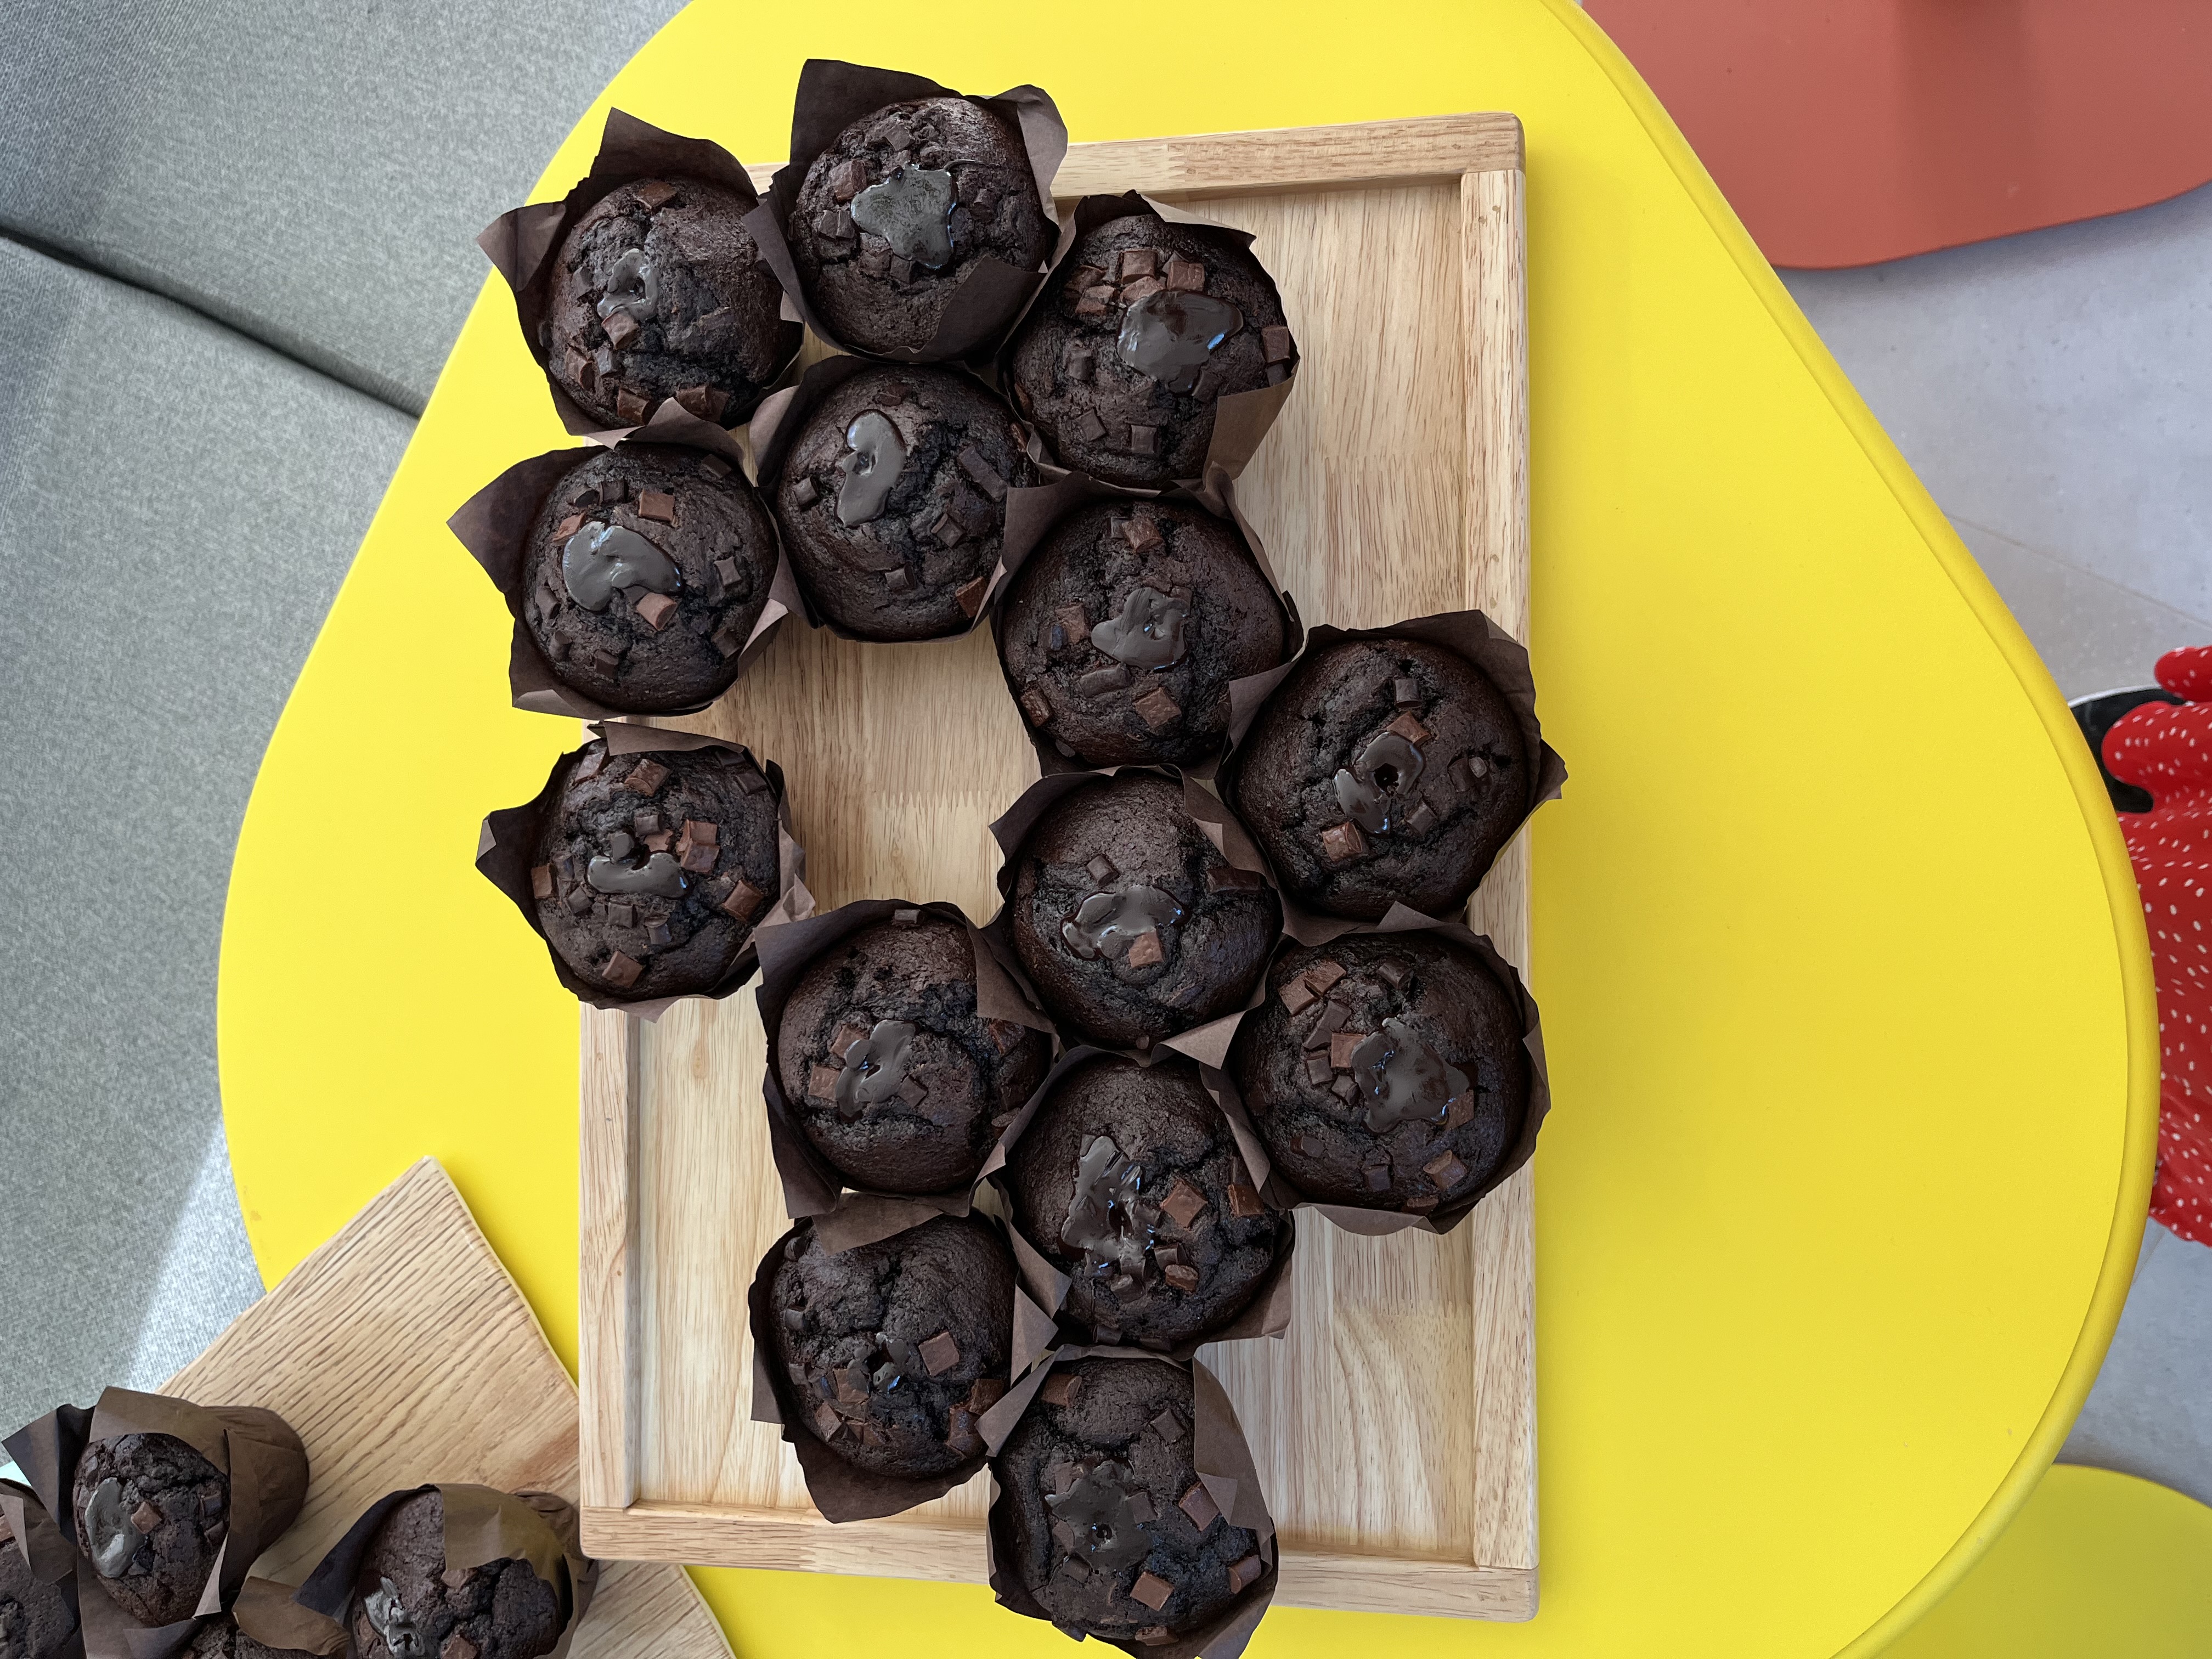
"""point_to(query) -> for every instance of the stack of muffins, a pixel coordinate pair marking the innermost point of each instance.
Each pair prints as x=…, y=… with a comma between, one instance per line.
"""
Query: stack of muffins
x=1031, y=1165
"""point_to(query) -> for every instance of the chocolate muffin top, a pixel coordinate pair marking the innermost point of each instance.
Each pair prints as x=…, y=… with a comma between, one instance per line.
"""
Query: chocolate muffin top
x=36, y=1619
x=220, y=1637
x=658, y=292
x=151, y=1516
x=652, y=869
x=1128, y=1181
x=1121, y=362
x=1129, y=921
x=1121, y=631
x=1383, y=769
x=897, y=1081
x=890, y=1351
x=407, y=1605
x=1386, y=1071
x=891, y=219
x=892, y=497
x=1105, y=1520
x=646, y=569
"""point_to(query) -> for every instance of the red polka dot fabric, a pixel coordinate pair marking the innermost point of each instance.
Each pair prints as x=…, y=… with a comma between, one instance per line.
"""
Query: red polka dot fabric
x=2167, y=749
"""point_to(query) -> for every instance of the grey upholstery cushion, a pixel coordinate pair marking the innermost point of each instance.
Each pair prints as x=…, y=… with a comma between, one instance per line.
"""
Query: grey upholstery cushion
x=167, y=565
x=315, y=175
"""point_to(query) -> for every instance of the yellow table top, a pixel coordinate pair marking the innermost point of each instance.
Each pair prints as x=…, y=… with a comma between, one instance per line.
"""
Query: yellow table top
x=1844, y=977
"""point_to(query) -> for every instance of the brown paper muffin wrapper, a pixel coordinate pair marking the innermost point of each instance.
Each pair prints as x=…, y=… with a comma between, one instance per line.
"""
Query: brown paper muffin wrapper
x=256, y=1449
x=838, y=1489
x=1502, y=659
x=50, y=1558
x=812, y=1187
x=508, y=844
x=1240, y=419
x=495, y=525
x=1224, y=1460
x=1374, y=1223
x=266, y=1611
x=775, y=427
x=833, y=95
x=521, y=242
x=482, y=1525
x=1032, y=511
x=1273, y=1299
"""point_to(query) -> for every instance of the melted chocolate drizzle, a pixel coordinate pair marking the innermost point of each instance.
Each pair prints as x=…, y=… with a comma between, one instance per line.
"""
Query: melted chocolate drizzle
x=633, y=286
x=875, y=1066
x=1402, y=1078
x=1107, y=924
x=1170, y=335
x=912, y=210
x=602, y=558
x=1097, y=1509
x=870, y=468
x=660, y=877
x=1376, y=791
x=1104, y=1219
x=1148, y=633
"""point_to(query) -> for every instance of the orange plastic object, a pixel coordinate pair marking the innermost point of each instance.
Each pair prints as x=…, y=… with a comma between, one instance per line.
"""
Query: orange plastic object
x=1843, y=135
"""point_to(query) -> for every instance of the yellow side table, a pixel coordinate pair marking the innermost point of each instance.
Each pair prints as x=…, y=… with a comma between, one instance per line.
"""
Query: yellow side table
x=1843, y=978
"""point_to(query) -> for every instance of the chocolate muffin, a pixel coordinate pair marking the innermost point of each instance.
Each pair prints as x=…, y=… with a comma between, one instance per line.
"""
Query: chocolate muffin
x=1129, y=921
x=407, y=1606
x=645, y=575
x=658, y=292
x=1121, y=362
x=1383, y=769
x=1121, y=631
x=37, y=1620
x=905, y=203
x=1128, y=1181
x=1105, y=1520
x=893, y=500
x=652, y=869
x=897, y=1081
x=892, y=1350
x=151, y=1516
x=220, y=1637
x=1386, y=1071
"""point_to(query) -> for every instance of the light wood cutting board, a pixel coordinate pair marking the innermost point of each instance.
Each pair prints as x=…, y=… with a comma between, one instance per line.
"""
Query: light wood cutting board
x=1395, y=1427
x=401, y=1353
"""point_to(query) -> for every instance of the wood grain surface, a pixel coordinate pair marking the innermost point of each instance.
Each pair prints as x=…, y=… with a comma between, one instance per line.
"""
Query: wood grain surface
x=401, y=1353
x=1395, y=1426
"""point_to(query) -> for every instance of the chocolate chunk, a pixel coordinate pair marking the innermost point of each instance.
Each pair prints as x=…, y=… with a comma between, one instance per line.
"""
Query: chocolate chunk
x=960, y=1436
x=896, y=580
x=1459, y=1110
x=987, y=1393
x=458, y=1646
x=1078, y=362
x=581, y=370
x=849, y=179
x=656, y=610
x=623, y=330
x=1392, y=974
x=541, y=881
x=700, y=860
x=713, y=466
x=1183, y=1279
x=1340, y=843
x=1342, y=1045
x=1324, y=975
x=659, y=936
x=1208, y=387
x=567, y=527
x=1410, y=728
x=1445, y=1170
x=1088, y=427
x=1156, y=708
x=1243, y=1574
x=1140, y=1508
x=580, y=900
x=1344, y=1088
x=1155, y=1636
x=1184, y=1203
x=940, y=1353
x=972, y=513
x=1230, y=879
x=621, y=913
x=647, y=776
x=1278, y=372
x=1244, y=1202
x=744, y=900
x=875, y=259
x=1198, y=1504
x=606, y=662
x=703, y=401
x=621, y=972
x=630, y=406
x=1275, y=344
x=969, y=595
x=1319, y=1073
x=727, y=640
x=1405, y=692
x=1073, y=1567
x=656, y=505
x=1143, y=288
x=827, y=1420
x=1072, y=621
x=145, y=1518
x=603, y=369
x=698, y=832
x=1153, y=1590
x=1297, y=996
x=1138, y=262
x=804, y=493
x=1089, y=277
x=1331, y=1022
x=655, y=194
x=985, y=475
x=1422, y=820
x=645, y=822
x=835, y=224
x=1185, y=276
x=1142, y=533
x=1062, y=1388
x=1101, y=870
x=901, y=269
x=1145, y=950
x=1144, y=440
x=1100, y=681
x=1034, y=705
x=1093, y=303
x=1375, y=1177
x=1422, y=1203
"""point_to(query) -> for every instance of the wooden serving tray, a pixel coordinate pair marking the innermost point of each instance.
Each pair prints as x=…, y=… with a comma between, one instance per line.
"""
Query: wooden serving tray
x=403, y=1353
x=1396, y=1426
